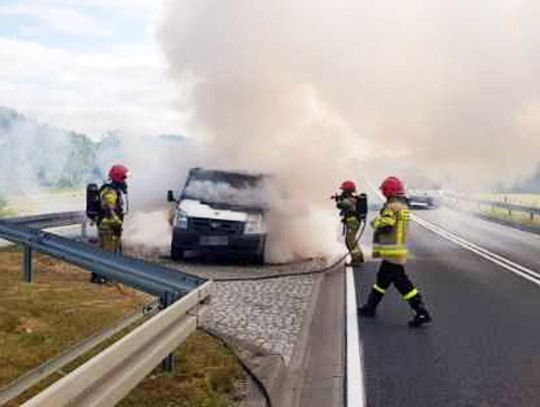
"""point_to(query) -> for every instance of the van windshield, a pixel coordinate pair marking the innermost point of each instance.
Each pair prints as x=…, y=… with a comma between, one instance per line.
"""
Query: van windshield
x=227, y=189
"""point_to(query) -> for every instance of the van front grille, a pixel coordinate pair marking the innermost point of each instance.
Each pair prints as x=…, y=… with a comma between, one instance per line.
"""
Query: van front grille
x=215, y=227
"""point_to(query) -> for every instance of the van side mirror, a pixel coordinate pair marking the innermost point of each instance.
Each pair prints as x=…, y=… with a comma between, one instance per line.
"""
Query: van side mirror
x=170, y=196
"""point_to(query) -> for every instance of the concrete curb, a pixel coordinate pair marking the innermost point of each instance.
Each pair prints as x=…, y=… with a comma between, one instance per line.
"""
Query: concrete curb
x=289, y=387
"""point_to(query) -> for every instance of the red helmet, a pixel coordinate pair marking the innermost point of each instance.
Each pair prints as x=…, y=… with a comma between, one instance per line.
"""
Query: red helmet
x=118, y=173
x=348, y=186
x=392, y=186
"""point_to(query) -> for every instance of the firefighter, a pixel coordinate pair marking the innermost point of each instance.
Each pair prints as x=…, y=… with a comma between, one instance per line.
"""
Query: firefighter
x=390, y=244
x=111, y=214
x=347, y=203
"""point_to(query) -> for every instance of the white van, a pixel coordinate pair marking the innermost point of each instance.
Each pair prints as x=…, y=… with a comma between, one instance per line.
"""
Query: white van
x=220, y=212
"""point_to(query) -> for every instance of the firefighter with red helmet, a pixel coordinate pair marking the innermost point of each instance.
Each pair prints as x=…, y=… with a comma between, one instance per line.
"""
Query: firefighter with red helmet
x=390, y=244
x=347, y=203
x=111, y=213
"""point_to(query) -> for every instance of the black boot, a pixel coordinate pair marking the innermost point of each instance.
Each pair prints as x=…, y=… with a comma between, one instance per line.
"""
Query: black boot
x=98, y=279
x=422, y=316
x=369, y=309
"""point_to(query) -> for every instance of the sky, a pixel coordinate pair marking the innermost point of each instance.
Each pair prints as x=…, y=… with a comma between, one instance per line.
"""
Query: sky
x=90, y=66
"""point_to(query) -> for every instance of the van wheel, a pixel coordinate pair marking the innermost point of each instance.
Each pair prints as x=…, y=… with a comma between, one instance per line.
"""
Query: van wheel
x=177, y=254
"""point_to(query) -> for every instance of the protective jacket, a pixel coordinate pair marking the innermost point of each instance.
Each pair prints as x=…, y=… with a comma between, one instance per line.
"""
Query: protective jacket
x=391, y=229
x=111, y=219
x=347, y=204
x=112, y=205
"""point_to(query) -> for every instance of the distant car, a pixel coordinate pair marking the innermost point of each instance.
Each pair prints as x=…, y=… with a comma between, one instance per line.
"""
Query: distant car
x=220, y=212
x=423, y=199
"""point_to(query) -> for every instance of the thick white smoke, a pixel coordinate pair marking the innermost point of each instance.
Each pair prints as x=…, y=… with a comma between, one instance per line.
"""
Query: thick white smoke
x=156, y=164
x=315, y=92
x=449, y=85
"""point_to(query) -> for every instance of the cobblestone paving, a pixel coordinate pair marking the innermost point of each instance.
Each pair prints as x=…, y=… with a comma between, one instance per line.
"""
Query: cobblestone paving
x=267, y=313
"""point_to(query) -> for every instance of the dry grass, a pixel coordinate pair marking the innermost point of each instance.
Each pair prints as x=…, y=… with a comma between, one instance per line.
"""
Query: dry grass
x=60, y=308
x=520, y=218
x=206, y=375
x=517, y=199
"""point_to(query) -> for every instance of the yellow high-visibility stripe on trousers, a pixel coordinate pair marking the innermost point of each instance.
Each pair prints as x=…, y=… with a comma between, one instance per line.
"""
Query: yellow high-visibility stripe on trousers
x=411, y=294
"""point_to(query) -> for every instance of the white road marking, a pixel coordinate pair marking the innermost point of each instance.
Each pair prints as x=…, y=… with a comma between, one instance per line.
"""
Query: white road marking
x=356, y=394
x=522, y=271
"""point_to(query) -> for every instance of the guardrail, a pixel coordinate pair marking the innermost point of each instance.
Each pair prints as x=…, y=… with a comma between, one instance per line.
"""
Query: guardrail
x=41, y=372
x=151, y=278
x=532, y=211
x=139, y=352
x=51, y=220
x=111, y=375
x=47, y=221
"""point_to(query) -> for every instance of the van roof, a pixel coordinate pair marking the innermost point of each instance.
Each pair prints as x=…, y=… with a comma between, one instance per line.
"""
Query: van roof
x=235, y=178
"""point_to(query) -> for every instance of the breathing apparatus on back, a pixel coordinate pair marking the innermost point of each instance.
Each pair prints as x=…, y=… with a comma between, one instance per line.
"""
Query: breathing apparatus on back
x=348, y=190
x=117, y=181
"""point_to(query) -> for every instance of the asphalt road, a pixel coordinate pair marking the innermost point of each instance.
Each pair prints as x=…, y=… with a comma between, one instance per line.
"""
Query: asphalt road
x=322, y=384
x=483, y=348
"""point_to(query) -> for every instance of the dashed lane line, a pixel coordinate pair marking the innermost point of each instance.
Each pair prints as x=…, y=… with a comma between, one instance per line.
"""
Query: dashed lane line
x=518, y=269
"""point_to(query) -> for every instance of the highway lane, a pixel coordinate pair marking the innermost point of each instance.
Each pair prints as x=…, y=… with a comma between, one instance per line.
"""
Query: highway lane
x=520, y=246
x=484, y=346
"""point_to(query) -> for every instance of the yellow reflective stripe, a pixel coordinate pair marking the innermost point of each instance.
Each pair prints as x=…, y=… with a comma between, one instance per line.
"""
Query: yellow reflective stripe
x=403, y=217
x=392, y=253
x=379, y=289
x=391, y=250
x=405, y=214
x=109, y=197
x=410, y=294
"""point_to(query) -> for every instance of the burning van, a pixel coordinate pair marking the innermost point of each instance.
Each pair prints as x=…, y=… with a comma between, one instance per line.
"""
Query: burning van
x=220, y=212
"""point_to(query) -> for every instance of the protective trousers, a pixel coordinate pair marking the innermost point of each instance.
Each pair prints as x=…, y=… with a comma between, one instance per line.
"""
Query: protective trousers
x=352, y=226
x=395, y=273
x=108, y=240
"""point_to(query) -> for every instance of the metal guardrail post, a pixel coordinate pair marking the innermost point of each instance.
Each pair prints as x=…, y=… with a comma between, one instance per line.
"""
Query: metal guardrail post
x=84, y=229
x=27, y=265
x=168, y=363
x=108, y=377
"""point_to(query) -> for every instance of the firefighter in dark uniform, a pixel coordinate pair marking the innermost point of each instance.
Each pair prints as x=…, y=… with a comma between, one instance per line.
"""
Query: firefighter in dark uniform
x=390, y=244
x=111, y=216
x=347, y=203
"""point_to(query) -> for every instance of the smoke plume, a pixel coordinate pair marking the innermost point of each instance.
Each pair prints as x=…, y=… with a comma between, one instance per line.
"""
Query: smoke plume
x=317, y=92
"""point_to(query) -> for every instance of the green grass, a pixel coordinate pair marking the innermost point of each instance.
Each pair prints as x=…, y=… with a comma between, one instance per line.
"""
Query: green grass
x=519, y=218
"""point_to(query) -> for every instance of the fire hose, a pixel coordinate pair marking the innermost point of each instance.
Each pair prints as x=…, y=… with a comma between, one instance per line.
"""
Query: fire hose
x=336, y=263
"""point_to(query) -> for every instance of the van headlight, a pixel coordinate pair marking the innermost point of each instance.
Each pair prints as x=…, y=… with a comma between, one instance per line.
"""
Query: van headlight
x=181, y=220
x=254, y=225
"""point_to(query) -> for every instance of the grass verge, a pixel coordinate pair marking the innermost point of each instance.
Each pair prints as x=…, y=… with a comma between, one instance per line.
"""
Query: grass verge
x=206, y=375
x=518, y=218
x=60, y=308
